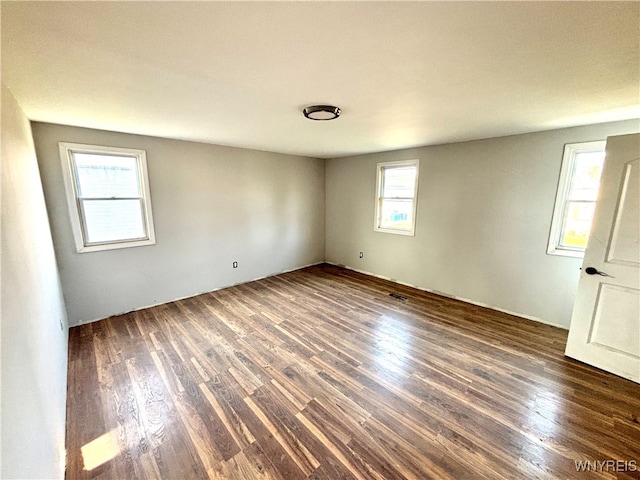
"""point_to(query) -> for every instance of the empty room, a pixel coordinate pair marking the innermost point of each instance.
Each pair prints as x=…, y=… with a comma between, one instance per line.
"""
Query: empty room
x=320, y=240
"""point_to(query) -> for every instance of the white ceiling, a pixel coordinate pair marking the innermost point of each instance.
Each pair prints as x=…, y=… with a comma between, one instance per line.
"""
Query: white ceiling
x=404, y=73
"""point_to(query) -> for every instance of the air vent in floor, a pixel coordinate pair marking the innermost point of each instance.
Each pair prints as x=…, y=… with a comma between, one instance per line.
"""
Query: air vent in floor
x=399, y=297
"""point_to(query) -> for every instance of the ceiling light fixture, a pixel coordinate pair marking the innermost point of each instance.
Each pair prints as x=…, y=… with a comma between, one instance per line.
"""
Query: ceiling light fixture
x=321, y=112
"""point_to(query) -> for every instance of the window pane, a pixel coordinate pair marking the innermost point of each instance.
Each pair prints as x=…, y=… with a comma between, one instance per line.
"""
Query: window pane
x=399, y=182
x=586, y=176
x=106, y=176
x=113, y=220
x=397, y=214
x=577, y=224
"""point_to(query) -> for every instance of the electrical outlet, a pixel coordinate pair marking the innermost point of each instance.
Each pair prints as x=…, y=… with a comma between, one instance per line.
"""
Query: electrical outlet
x=235, y=264
x=361, y=255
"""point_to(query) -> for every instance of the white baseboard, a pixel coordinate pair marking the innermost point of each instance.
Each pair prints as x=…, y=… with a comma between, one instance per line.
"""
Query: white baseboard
x=442, y=294
x=364, y=272
x=84, y=322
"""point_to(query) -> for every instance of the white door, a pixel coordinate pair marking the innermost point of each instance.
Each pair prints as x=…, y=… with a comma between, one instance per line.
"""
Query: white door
x=605, y=326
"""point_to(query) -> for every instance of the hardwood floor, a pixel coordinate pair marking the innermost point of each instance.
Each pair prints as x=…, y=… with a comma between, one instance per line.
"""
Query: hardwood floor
x=320, y=374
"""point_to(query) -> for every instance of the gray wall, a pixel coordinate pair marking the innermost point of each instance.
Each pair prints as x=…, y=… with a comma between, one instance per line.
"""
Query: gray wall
x=484, y=213
x=212, y=205
x=34, y=325
x=483, y=220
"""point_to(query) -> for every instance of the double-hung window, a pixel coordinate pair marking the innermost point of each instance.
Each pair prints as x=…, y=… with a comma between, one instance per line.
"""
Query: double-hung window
x=576, y=198
x=108, y=196
x=396, y=197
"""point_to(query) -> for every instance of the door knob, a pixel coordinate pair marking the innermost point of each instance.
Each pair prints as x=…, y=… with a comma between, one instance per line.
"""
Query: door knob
x=594, y=271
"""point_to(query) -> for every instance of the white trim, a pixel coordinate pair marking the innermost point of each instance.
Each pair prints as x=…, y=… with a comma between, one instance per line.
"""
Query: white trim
x=446, y=295
x=378, y=199
x=564, y=184
x=364, y=272
x=66, y=157
x=84, y=322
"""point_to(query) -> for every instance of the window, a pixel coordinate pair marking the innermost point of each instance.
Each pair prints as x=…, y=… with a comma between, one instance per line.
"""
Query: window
x=108, y=196
x=576, y=198
x=396, y=197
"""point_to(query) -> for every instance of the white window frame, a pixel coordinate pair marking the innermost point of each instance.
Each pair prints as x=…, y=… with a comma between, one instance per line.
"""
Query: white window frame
x=379, y=198
x=75, y=211
x=562, y=196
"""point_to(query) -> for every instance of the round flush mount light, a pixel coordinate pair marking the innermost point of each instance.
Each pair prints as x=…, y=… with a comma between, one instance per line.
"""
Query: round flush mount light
x=321, y=112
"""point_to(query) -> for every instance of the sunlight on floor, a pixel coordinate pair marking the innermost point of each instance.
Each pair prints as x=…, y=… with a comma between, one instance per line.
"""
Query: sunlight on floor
x=545, y=419
x=100, y=450
x=392, y=343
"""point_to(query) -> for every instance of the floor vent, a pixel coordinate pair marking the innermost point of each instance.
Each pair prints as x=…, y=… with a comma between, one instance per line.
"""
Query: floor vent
x=399, y=297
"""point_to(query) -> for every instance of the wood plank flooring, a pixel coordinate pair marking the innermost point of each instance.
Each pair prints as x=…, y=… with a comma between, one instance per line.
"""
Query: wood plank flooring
x=320, y=374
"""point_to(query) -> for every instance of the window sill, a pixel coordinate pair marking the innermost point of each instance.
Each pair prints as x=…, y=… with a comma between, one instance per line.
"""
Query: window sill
x=565, y=253
x=410, y=233
x=114, y=246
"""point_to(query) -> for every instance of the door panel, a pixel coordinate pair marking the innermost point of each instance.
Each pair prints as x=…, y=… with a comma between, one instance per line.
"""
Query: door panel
x=616, y=322
x=624, y=241
x=605, y=325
